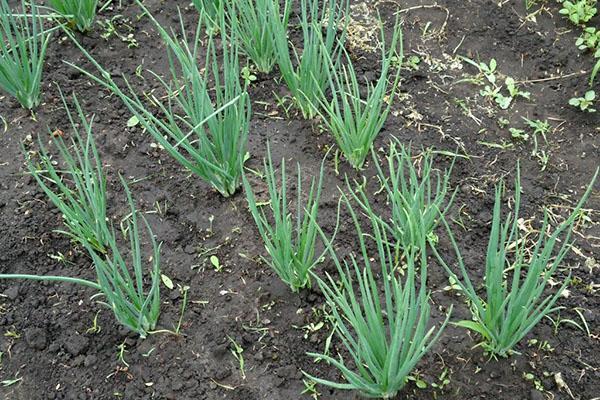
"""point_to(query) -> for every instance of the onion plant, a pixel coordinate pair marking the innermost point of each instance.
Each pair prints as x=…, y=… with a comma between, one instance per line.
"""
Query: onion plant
x=308, y=76
x=509, y=308
x=254, y=25
x=385, y=332
x=78, y=189
x=290, y=244
x=204, y=128
x=355, y=120
x=80, y=14
x=416, y=194
x=134, y=303
x=212, y=9
x=23, y=44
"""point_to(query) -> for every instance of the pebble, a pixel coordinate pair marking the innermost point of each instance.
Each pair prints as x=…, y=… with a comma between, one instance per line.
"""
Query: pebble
x=12, y=292
x=36, y=338
x=536, y=395
x=90, y=360
x=76, y=344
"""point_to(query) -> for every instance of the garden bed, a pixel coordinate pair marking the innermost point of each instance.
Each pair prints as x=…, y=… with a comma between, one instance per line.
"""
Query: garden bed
x=52, y=349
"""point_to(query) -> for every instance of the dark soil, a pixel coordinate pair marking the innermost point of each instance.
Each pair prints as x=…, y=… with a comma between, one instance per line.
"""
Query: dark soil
x=45, y=341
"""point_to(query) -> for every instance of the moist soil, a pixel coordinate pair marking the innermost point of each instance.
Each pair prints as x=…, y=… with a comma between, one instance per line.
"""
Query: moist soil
x=49, y=350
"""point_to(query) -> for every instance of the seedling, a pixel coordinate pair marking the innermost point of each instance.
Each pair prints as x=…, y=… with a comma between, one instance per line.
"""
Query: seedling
x=511, y=307
x=589, y=39
x=214, y=260
x=518, y=134
x=80, y=14
x=384, y=340
x=487, y=70
x=23, y=44
x=539, y=128
x=248, y=76
x=579, y=11
x=514, y=90
x=584, y=103
x=83, y=201
x=121, y=353
x=237, y=352
x=95, y=328
x=310, y=388
x=290, y=243
x=355, y=120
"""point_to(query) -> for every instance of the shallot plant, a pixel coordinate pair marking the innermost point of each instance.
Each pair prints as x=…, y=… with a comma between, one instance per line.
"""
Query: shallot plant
x=306, y=74
x=254, y=25
x=77, y=187
x=290, y=239
x=212, y=9
x=123, y=288
x=384, y=331
x=354, y=119
x=23, y=44
x=80, y=14
x=417, y=195
x=513, y=301
x=203, y=126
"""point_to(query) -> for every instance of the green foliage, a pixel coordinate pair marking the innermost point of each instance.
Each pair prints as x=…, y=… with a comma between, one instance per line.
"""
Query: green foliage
x=511, y=307
x=589, y=39
x=78, y=189
x=415, y=193
x=355, y=120
x=254, y=24
x=385, y=334
x=212, y=9
x=290, y=244
x=122, y=289
x=204, y=128
x=309, y=75
x=23, y=43
x=79, y=13
x=579, y=11
x=586, y=102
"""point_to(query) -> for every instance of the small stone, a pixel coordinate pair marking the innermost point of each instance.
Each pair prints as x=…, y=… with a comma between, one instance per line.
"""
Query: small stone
x=12, y=292
x=536, y=395
x=36, y=338
x=90, y=360
x=76, y=344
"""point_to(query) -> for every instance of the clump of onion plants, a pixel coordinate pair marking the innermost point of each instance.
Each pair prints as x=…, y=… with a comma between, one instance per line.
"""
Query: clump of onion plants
x=418, y=195
x=121, y=286
x=23, y=44
x=323, y=40
x=203, y=119
x=80, y=14
x=77, y=186
x=512, y=301
x=254, y=25
x=353, y=119
x=385, y=332
x=289, y=240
